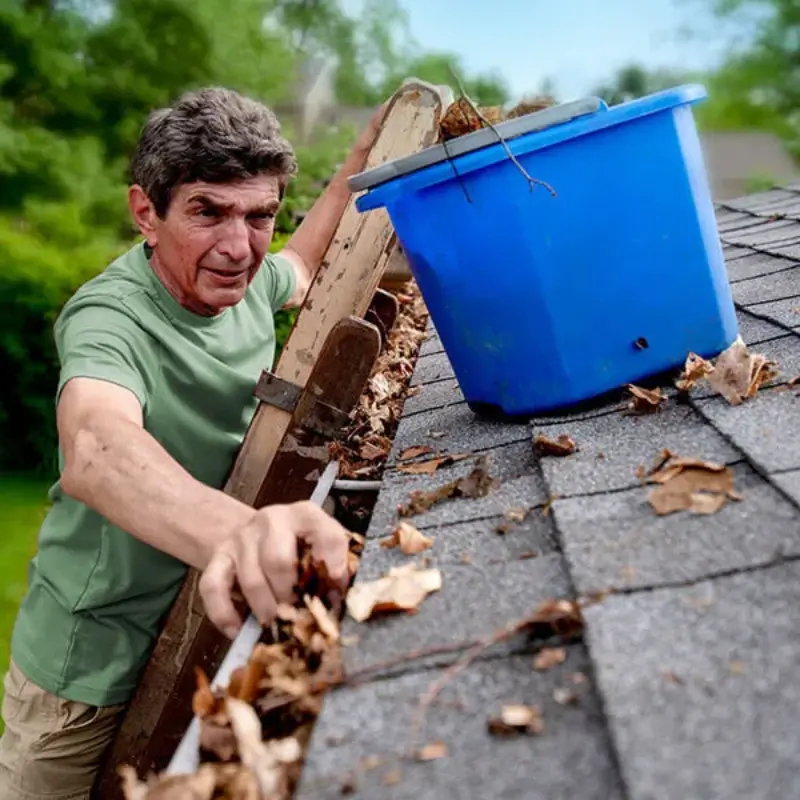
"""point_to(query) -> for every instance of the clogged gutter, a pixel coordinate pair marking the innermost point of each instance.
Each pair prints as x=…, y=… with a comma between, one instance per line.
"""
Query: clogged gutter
x=254, y=734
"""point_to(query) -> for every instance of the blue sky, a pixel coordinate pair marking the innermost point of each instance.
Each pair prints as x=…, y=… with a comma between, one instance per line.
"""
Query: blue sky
x=575, y=42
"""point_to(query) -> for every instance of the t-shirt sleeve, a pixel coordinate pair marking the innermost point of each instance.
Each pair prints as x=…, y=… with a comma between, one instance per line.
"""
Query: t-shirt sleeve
x=279, y=280
x=105, y=343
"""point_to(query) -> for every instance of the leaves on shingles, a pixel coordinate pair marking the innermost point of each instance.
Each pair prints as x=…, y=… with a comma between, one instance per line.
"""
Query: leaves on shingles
x=432, y=751
x=430, y=465
x=559, y=617
x=477, y=484
x=564, y=445
x=415, y=451
x=689, y=484
x=375, y=447
x=410, y=540
x=564, y=696
x=644, y=401
x=516, y=719
x=549, y=657
x=737, y=374
x=402, y=589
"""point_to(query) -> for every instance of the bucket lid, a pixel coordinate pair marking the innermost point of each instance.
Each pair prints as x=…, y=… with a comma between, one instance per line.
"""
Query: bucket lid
x=537, y=120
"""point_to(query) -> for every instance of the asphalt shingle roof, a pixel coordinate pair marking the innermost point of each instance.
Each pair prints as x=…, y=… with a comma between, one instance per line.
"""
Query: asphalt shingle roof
x=692, y=664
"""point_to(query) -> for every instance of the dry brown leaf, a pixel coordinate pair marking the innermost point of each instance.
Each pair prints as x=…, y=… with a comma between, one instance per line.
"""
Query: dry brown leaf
x=410, y=540
x=477, y=484
x=694, y=370
x=325, y=622
x=415, y=451
x=564, y=445
x=392, y=778
x=737, y=374
x=376, y=447
x=686, y=484
x=203, y=700
x=645, y=401
x=578, y=678
x=432, y=751
x=516, y=514
x=197, y=786
x=549, y=657
x=564, y=696
x=266, y=760
x=515, y=719
x=429, y=466
x=402, y=589
x=562, y=617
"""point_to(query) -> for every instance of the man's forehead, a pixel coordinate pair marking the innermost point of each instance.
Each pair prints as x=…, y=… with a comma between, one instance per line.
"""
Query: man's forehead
x=245, y=193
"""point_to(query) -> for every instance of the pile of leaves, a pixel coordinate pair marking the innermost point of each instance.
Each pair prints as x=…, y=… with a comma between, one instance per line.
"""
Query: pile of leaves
x=463, y=116
x=364, y=447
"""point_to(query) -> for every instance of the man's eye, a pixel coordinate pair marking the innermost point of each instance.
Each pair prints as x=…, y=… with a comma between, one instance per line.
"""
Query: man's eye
x=262, y=218
x=211, y=213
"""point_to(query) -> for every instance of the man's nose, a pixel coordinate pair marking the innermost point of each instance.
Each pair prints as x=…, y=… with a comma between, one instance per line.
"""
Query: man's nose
x=235, y=243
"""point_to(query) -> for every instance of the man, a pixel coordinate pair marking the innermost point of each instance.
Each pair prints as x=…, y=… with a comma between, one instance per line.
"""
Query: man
x=159, y=355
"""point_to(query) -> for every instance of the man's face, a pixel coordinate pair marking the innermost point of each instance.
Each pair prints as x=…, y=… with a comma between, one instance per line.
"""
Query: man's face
x=213, y=239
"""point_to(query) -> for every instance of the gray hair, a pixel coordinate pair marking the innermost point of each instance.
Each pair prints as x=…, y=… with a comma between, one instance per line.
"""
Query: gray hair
x=211, y=135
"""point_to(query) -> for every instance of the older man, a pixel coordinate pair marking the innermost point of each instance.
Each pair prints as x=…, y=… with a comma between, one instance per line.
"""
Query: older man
x=159, y=356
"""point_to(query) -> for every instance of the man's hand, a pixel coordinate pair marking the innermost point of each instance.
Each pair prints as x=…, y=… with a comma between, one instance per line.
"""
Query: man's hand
x=262, y=558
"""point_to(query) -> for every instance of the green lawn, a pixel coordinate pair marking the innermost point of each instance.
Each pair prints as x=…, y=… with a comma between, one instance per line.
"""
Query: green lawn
x=23, y=502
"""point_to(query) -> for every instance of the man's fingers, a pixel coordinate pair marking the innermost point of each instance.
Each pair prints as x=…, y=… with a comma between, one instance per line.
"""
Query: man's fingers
x=328, y=540
x=277, y=555
x=215, y=587
x=252, y=578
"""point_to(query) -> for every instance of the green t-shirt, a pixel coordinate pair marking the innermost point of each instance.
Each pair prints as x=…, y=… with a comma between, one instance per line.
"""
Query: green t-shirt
x=96, y=595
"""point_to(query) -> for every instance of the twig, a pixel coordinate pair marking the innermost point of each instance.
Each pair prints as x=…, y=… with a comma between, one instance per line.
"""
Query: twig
x=531, y=181
x=436, y=687
x=456, y=172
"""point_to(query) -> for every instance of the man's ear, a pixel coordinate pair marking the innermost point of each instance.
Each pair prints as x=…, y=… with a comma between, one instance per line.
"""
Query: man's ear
x=144, y=214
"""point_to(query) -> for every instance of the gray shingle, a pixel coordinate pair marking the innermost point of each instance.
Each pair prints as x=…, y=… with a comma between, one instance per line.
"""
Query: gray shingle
x=787, y=250
x=570, y=759
x=432, y=368
x=754, y=330
x=782, y=312
x=432, y=396
x=464, y=431
x=733, y=252
x=618, y=541
x=736, y=221
x=627, y=442
x=789, y=483
x=765, y=235
x=728, y=730
x=474, y=602
x=433, y=344
x=756, y=265
x=478, y=541
x=767, y=288
x=761, y=201
x=766, y=428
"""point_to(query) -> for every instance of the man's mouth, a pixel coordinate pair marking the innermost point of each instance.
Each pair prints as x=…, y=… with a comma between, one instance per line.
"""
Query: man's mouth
x=227, y=276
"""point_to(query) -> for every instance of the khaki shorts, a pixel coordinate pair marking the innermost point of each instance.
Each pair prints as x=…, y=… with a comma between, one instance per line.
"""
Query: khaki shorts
x=51, y=748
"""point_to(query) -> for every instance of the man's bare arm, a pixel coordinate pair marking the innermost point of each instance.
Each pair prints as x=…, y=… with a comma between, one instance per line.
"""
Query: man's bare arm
x=308, y=244
x=113, y=465
x=117, y=468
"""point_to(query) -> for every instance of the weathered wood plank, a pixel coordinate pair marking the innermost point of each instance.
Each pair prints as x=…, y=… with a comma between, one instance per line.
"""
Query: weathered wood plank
x=160, y=710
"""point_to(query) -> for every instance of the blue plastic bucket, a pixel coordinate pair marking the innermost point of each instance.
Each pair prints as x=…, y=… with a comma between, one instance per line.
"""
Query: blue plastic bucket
x=544, y=301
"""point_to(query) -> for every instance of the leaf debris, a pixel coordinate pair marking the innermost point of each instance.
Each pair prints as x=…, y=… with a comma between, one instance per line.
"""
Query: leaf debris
x=432, y=751
x=549, y=657
x=478, y=483
x=516, y=719
x=737, y=374
x=564, y=445
x=430, y=465
x=689, y=484
x=644, y=401
x=410, y=540
x=401, y=589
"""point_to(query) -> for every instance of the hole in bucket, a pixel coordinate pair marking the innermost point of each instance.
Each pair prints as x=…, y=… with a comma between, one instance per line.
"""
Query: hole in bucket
x=641, y=343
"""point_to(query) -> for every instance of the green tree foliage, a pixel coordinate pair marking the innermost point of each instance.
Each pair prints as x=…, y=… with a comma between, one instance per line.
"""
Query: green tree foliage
x=758, y=85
